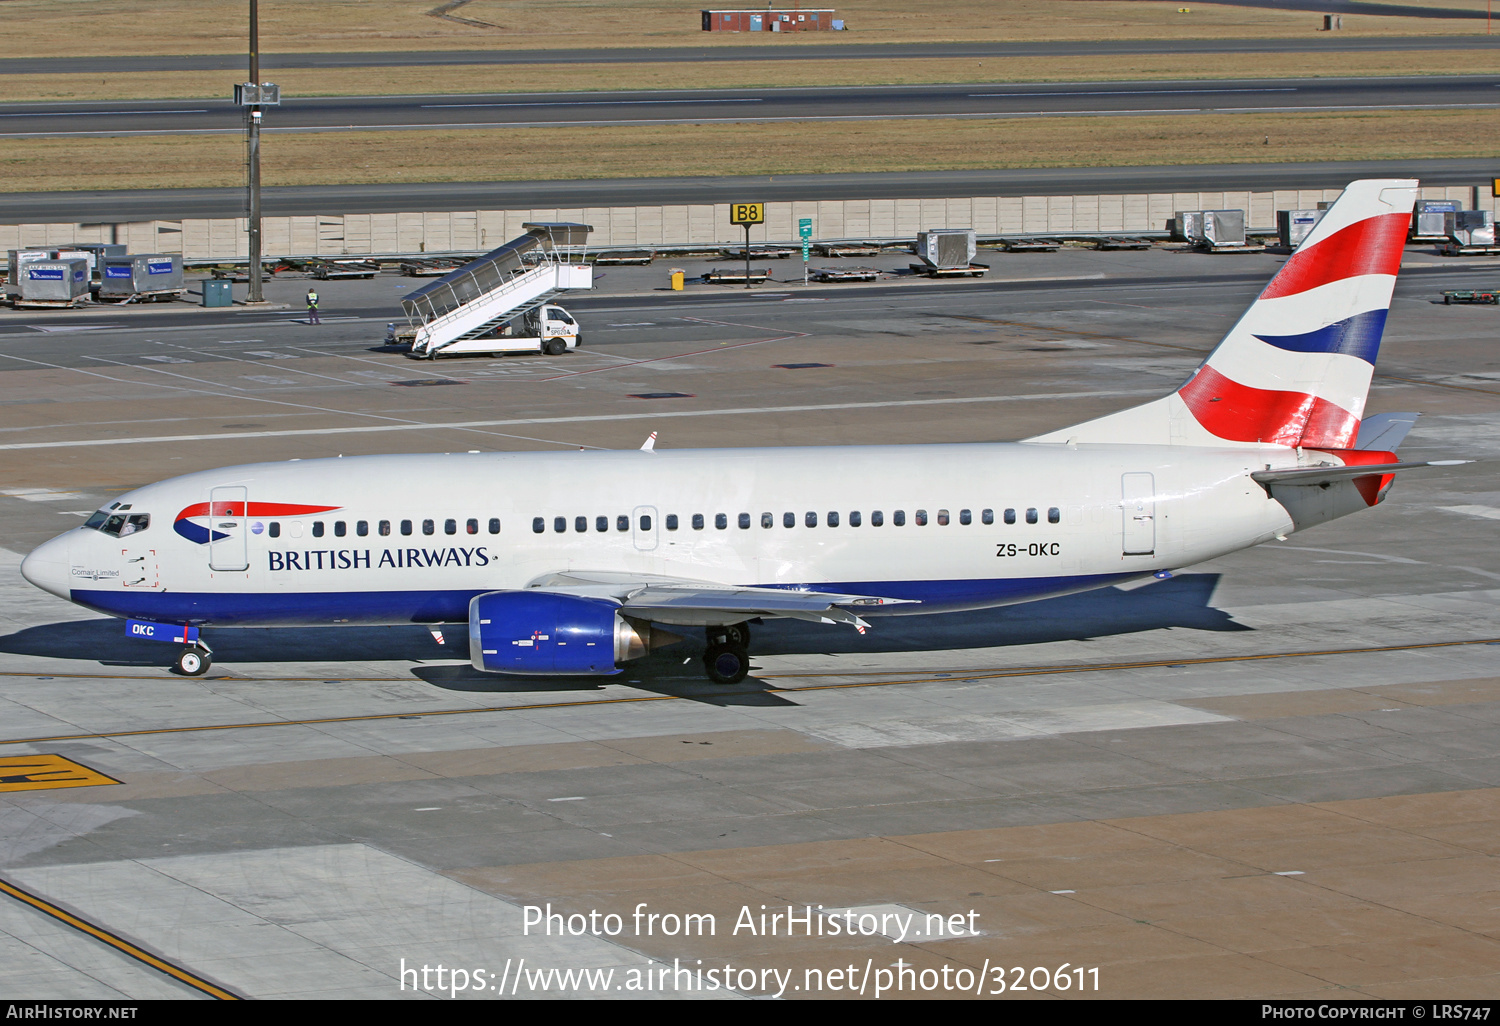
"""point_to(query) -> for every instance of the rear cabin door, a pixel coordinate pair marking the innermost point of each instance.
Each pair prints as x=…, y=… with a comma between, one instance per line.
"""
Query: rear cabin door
x=228, y=537
x=1139, y=508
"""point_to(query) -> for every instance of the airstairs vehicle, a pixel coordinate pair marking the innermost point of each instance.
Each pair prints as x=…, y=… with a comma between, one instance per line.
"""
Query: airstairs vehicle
x=471, y=310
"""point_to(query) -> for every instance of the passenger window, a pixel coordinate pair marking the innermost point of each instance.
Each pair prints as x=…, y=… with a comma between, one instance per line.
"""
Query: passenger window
x=581, y=524
x=877, y=519
x=471, y=525
x=317, y=528
x=1010, y=516
x=721, y=521
x=406, y=527
x=697, y=521
x=942, y=518
x=450, y=526
x=965, y=517
x=645, y=522
x=539, y=525
x=494, y=525
x=622, y=523
x=854, y=518
x=601, y=524
x=898, y=518
x=744, y=521
x=339, y=529
x=810, y=519
x=274, y=529
x=921, y=518
x=788, y=520
x=833, y=518
x=362, y=528
x=987, y=516
x=1054, y=515
x=672, y=522
x=1031, y=515
x=385, y=528
x=766, y=520
x=560, y=524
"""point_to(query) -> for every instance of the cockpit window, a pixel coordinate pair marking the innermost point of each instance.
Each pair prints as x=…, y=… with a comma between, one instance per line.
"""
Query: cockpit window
x=119, y=524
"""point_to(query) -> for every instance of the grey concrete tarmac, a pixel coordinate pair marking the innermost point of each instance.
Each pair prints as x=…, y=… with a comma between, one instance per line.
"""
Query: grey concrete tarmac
x=757, y=105
x=1272, y=776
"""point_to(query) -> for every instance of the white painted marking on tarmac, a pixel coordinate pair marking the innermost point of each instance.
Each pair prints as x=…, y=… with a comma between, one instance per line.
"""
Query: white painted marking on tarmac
x=1488, y=512
x=894, y=733
x=95, y=113
x=998, y=115
x=1138, y=92
x=1064, y=892
x=575, y=798
x=659, y=415
x=1290, y=872
x=592, y=103
x=40, y=494
x=53, y=329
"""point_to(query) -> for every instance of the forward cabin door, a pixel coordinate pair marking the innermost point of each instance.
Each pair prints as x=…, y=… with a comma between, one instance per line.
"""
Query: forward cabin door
x=1139, y=508
x=227, y=534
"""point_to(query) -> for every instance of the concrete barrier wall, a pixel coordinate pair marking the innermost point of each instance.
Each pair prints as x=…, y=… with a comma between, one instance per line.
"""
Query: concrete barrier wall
x=468, y=230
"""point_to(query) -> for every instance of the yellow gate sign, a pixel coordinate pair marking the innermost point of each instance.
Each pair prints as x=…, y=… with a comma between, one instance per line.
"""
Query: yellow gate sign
x=747, y=213
x=38, y=772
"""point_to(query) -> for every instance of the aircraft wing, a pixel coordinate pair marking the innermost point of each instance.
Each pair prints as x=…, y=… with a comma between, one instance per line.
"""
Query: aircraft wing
x=678, y=600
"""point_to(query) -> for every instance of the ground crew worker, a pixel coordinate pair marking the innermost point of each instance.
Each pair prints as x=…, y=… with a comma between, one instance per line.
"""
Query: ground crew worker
x=312, y=307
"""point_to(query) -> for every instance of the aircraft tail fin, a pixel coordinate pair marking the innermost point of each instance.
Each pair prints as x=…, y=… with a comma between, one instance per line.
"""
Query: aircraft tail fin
x=1296, y=369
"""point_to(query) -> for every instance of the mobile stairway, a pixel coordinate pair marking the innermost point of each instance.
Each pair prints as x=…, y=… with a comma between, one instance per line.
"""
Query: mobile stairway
x=504, y=284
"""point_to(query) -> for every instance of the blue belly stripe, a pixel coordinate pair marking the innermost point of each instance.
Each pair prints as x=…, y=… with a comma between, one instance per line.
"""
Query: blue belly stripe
x=374, y=608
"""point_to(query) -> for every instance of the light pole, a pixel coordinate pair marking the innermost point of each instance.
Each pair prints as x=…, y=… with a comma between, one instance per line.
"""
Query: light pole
x=252, y=96
x=252, y=154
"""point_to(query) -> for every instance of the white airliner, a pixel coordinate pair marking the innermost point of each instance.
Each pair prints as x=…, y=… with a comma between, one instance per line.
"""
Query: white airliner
x=560, y=563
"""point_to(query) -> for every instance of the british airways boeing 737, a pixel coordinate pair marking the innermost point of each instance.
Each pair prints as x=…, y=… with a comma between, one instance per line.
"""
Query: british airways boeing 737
x=562, y=563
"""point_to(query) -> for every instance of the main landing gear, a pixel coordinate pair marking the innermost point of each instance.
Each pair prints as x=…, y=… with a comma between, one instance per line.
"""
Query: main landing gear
x=194, y=661
x=727, y=659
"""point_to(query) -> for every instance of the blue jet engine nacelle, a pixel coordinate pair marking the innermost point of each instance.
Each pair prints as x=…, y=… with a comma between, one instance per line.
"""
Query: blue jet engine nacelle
x=546, y=634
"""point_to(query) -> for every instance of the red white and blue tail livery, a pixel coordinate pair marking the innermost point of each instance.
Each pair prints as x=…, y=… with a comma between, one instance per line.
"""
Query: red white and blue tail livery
x=1296, y=369
x=566, y=563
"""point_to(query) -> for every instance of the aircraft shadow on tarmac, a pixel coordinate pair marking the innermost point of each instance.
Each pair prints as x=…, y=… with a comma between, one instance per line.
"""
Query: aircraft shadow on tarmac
x=1184, y=601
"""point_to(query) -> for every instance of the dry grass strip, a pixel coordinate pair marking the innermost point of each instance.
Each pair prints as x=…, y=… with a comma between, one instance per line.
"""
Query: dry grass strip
x=145, y=162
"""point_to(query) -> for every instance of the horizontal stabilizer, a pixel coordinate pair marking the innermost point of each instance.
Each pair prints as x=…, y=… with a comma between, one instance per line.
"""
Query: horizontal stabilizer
x=1331, y=473
x=1385, y=431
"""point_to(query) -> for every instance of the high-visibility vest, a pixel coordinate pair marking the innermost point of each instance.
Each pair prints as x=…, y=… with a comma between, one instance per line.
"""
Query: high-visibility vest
x=312, y=299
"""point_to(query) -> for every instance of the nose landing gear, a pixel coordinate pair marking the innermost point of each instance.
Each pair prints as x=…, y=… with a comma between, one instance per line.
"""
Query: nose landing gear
x=194, y=661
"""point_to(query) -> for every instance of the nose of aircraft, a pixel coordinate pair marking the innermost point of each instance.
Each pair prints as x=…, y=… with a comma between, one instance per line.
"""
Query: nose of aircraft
x=48, y=567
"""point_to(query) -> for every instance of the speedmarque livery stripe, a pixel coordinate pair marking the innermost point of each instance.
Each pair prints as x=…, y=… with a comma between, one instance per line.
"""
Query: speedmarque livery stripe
x=1358, y=336
x=1371, y=246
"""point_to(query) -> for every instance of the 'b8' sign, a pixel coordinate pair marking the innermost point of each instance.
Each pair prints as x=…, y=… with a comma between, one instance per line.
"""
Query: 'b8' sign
x=747, y=213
